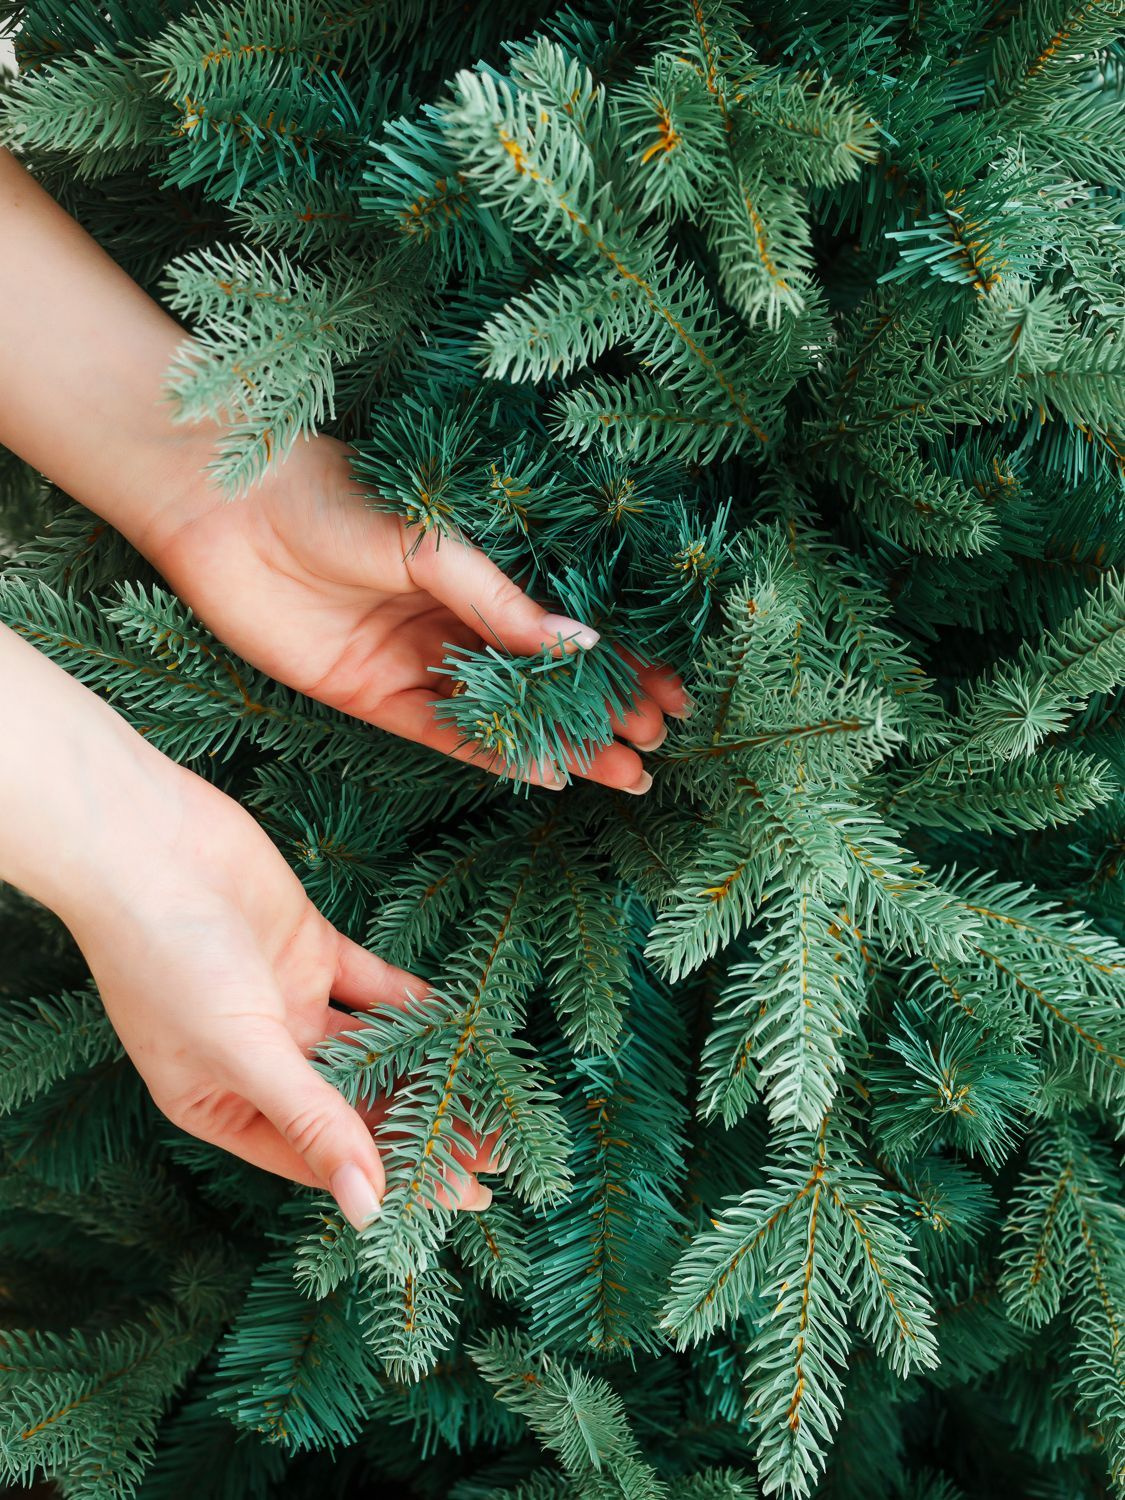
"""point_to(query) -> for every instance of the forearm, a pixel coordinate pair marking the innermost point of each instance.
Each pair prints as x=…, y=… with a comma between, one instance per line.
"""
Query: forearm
x=83, y=356
x=81, y=793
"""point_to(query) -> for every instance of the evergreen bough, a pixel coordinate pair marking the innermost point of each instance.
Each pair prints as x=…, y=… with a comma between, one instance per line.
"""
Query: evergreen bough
x=783, y=344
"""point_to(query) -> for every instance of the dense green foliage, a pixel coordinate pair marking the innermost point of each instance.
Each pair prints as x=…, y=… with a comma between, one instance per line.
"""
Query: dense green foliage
x=782, y=343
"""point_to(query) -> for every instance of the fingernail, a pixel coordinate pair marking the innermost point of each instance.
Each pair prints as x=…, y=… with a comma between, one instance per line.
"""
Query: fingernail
x=685, y=712
x=653, y=744
x=573, y=632
x=641, y=786
x=482, y=1201
x=354, y=1193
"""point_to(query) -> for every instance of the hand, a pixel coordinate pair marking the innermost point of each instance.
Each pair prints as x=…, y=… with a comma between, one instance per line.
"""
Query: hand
x=214, y=967
x=308, y=583
x=215, y=970
x=299, y=576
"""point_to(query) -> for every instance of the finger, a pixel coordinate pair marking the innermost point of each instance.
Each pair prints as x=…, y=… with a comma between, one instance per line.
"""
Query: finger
x=663, y=686
x=349, y=1027
x=614, y=765
x=462, y=1189
x=314, y=1119
x=262, y=1145
x=459, y=1188
x=233, y=1124
x=476, y=1197
x=364, y=980
x=463, y=1193
x=475, y=589
x=411, y=715
x=489, y=1155
x=643, y=724
x=340, y=1023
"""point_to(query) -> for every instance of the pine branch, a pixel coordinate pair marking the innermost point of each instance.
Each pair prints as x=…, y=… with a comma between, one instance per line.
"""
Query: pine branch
x=42, y=1041
x=782, y=1014
x=296, y=1371
x=409, y=1324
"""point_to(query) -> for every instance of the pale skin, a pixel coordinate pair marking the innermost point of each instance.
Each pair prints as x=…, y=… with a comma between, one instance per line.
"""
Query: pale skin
x=214, y=967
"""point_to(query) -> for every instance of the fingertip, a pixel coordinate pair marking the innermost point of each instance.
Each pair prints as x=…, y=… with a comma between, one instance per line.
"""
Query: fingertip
x=640, y=786
x=463, y=1193
x=478, y=1201
x=666, y=688
x=352, y=1188
x=571, y=635
x=642, y=724
x=490, y=1158
x=647, y=746
x=315, y=1120
x=363, y=979
x=617, y=766
x=486, y=599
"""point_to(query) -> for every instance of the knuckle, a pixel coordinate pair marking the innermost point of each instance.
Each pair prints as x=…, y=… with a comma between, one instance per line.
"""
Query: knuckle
x=180, y=1108
x=306, y=1129
x=506, y=593
x=172, y=1110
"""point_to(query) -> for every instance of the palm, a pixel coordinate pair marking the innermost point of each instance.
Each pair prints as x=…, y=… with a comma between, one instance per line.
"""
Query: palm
x=248, y=967
x=311, y=586
x=309, y=583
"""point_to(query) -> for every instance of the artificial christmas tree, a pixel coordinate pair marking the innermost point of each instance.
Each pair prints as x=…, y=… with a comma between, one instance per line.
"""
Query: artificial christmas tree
x=782, y=344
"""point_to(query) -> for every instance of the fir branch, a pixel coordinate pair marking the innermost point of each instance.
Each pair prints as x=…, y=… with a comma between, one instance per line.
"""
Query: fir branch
x=91, y=1404
x=409, y=1323
x=492, y=1245
x=1064, y=975
x=584, y=949
x=579, y=1418
x=265, y=341
x=1058, y=786
x=89, y=105
x=42, y=1041
x=328, y=1254
x=1066, y=1239
x=599, y=1259
x=800, y=1349
x=1045, y=45
x=781, y=1016
x=514, y=706
x=294, y=1370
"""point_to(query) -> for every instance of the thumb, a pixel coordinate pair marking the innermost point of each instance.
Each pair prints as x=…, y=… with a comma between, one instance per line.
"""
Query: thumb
x=317, y=1122
x=463, y=579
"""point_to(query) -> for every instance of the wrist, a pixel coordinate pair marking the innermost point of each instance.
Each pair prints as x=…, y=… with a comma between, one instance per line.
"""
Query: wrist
x=179, y=491
x=167, y=488
x=82, y=795
x=83, y=392
x=104, y=829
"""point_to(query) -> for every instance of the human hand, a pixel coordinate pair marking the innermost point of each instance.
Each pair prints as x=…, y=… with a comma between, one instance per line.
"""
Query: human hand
x=299, y=575
x=311, y=585
x=214, y=967
x=216, y=971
